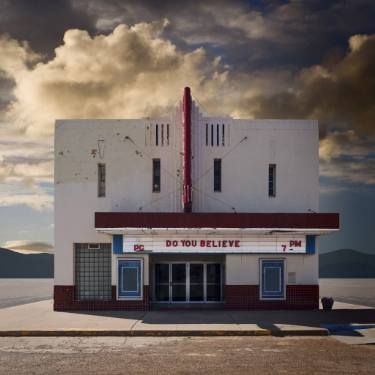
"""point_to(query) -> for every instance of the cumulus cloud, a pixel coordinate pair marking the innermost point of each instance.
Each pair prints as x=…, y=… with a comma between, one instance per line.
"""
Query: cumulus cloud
x=130, y=72
x=135, y=71
x=28, y=246
x=341, y=96
x=341, y=93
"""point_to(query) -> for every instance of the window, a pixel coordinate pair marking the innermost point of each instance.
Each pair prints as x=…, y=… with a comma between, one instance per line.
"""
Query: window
x=206, y=134
x=272, y=279
x=130, y=279
x=101, y=180
x=93, y=281
x=217, y=175
x=157, y=135
x=217, y=134
x=156, y=175
x=272, y=180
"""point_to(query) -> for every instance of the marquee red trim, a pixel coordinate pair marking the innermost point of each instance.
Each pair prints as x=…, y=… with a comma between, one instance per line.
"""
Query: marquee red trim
x=216, y=220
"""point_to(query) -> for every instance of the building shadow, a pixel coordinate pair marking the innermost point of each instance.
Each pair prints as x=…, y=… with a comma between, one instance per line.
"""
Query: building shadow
x=265, y=319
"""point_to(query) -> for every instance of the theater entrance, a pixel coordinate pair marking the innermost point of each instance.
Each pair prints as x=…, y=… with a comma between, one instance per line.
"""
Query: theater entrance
x=188, y=282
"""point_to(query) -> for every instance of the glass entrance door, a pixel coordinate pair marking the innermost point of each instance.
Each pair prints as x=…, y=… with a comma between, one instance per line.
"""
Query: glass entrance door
x=162, y=282
x=196, y=282
x=188, y=282
x=178, y=282
x=213, y=282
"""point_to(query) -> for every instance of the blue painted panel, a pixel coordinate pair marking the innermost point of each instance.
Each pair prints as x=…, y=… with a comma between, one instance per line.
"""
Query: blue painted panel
x=310, y=244
x=129, y=278
x=117, y=244
x=272, y=279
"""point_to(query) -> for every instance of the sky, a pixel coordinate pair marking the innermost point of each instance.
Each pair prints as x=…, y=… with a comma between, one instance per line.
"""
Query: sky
x=246, y=59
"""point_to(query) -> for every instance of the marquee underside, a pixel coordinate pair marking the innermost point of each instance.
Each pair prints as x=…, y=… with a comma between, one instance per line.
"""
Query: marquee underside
x=206, y=223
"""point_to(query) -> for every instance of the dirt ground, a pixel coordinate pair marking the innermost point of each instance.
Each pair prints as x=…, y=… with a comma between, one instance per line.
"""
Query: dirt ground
x=188, y=355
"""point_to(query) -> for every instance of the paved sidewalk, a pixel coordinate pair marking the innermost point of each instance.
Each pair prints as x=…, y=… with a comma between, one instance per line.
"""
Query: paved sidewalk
x=38, y=319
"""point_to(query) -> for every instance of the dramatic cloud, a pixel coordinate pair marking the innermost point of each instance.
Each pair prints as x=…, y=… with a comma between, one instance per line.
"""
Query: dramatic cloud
x=132, y=72
x=341, y=92
x=137, y=72
x=251, y=35
x=27, y=246
x=348, y=158
x=42, y=22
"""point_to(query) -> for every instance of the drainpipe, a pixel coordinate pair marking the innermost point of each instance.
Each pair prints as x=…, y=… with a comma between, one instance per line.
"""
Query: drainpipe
x=186, y=191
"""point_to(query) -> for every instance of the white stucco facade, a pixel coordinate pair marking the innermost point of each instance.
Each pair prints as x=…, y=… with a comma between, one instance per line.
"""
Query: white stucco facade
x=128, y=147
x=246, y=150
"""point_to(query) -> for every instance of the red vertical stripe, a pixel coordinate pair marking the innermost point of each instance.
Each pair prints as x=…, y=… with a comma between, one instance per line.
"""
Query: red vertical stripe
x=186, y=193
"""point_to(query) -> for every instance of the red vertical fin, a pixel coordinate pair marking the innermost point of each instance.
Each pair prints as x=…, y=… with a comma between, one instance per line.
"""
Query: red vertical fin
x=186, y=192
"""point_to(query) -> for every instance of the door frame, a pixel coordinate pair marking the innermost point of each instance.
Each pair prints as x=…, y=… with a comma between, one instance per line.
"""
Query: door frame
x=187, y=265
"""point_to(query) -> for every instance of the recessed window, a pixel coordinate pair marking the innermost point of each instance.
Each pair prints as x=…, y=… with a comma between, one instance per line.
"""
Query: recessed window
x=272, y=279
x=217, y=175
x=156, y=175
x=101, y=180
x=157, y=135
x=272, y=180
x=130, y=279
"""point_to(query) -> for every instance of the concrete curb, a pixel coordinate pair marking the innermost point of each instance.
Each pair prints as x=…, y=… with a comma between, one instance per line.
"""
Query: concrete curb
x=301, y=332
x=162, y=333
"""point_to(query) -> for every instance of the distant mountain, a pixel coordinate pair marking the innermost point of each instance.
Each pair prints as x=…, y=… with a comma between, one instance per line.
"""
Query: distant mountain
x=336, y=264
x=16, y=265
x=346, y=263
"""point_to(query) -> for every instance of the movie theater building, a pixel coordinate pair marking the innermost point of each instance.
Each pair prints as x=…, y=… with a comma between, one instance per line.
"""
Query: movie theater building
x=187, y=211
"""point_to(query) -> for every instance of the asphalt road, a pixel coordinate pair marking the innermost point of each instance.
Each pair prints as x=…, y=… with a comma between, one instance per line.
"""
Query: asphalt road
x=222, y=355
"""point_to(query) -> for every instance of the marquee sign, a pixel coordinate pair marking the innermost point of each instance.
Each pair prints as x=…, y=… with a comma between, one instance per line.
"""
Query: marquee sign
x=279, y=244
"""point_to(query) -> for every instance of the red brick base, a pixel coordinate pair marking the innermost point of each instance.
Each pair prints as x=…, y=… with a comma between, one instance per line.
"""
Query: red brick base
x=64, y=300
x=246, y=297
x=237, y=297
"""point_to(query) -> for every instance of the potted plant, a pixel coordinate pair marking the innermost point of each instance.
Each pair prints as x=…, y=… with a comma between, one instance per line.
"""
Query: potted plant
x=327, y=303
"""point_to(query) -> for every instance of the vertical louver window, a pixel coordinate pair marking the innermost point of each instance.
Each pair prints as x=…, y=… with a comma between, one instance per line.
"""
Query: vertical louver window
x=101, y=180
x=156, y=175
x=272, y=180
x=217, y=175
